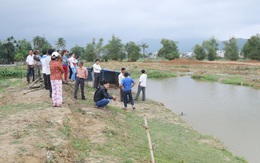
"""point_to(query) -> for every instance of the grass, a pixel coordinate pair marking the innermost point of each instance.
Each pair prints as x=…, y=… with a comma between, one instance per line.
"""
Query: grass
x=127, y=141
x=20, y=107
x=207, y=77
x=5, y=83
x=234, y=80
x=160, y=74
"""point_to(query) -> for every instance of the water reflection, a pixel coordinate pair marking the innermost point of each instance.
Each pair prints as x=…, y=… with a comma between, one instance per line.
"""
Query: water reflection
x=230, y=113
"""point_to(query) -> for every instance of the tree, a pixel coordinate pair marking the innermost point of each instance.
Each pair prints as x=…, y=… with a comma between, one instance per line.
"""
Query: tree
x=41, y=43
x=8, y=50
x=133, y=51
x=61, y=43
x=22, y=51
x=169, y=50
x=211, y=47
x=90, y=54
x=144, y=46
x=114, y=49
x=99, y=47
x=199, y=52
x=251, y=49
x=78, y=50
x=231, y=49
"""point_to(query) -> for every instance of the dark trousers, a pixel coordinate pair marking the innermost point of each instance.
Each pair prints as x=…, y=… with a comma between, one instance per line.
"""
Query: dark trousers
x=45, y=81
x=97, y=80
x=140, y=88
x=30, y=69
x=49, y=84
x=70, y=72
x=79, y=81
x=129, y=95
x=121, y=95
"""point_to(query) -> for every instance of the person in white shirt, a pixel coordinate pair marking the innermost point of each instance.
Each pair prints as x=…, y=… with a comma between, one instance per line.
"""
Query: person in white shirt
x=44, y=52
x=30, y=65
x=96, y=70
x=120, y=77
x=73, y=67
x=141, y=86
x=48, y=71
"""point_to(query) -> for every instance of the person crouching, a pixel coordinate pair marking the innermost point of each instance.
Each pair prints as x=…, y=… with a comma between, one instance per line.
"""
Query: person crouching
x=102, y=97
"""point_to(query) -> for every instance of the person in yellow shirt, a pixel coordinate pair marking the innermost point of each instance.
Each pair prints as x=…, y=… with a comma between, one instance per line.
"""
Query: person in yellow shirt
x=82, y=74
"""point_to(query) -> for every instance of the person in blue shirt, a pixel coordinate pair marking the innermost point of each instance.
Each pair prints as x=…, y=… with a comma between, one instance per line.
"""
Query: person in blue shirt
x=126, y=85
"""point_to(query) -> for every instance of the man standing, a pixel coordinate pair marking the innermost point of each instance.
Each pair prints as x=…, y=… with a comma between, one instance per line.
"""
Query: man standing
x=65, y=64
x=120, y=78
x=37, y=64
x=44, y=52
x=102, y=97
x=48, y=71
x=127, y=84
x=96, y=69
x=82, y=74
x=30, y=65
x=141, y=86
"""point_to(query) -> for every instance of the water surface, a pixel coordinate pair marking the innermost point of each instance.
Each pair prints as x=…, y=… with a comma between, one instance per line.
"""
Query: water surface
x=229, y=113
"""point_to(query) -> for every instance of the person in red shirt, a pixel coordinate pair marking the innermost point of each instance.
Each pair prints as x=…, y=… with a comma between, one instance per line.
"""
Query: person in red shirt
x=56, y=70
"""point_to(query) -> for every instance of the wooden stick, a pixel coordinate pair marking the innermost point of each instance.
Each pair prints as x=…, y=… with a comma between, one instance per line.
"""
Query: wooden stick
x=149, y=139
x=34, y=82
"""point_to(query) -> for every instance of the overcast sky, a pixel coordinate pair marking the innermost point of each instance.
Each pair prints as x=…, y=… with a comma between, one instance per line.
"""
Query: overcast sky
x=78, y=21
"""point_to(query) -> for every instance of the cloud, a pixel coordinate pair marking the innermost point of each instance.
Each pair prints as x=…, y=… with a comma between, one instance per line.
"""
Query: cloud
x=80, y=20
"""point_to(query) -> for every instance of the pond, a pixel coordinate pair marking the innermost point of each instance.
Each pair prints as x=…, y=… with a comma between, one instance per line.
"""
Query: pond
x=229, y=113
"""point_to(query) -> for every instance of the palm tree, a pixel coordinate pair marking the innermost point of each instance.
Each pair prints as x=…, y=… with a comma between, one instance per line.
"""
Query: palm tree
x=61, y=43
x=37, y=42
x=144, y=46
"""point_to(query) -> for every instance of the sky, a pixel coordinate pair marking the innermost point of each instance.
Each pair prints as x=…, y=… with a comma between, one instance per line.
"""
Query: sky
x=79, y=21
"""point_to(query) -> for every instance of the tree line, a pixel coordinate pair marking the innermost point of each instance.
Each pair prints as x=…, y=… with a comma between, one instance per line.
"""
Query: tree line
x=12, y=50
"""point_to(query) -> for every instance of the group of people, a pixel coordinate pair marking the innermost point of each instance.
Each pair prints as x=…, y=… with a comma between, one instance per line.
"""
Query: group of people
x=126, y=83
x=55, y=67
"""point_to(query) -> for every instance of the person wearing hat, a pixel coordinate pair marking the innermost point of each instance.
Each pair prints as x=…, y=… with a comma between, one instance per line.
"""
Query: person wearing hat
x=96, y=70
x=102, y=97
x=141, y=86
x=126, y=85
x=56, y=70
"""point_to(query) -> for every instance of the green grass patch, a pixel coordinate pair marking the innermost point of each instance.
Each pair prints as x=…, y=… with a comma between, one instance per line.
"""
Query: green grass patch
x=235, y=81
x=206, y=77
x=160, y=74
x=12, y=72
x=5, y=83
x=127, y=140
x=20, y=107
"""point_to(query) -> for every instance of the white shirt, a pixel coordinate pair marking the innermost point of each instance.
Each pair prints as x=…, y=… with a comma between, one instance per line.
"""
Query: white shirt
x=120, y=78
x=43, y=64
x=47, y=63
x=30, y=60
x=96, y=68
x=142, y=80
x=72, y=62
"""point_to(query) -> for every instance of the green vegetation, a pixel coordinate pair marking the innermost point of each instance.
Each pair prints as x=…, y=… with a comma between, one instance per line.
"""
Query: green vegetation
x=169, y=50
x=127, y=141
x=251, y=48
x=235, y=81
x=231, y=49
x=160, y=74
x=12, y=72
x=5, y=83
x=206, y=77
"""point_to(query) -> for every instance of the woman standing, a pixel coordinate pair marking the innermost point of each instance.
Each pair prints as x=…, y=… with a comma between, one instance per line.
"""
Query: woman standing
x=56, y=79
x=65, y=65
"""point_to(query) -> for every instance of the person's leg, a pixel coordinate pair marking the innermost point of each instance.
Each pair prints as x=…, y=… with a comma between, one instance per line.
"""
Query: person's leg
x=102, y=102
x=76, y=88
x=54, y=93
x=138, y=92
x=45, y=81
x=143, y=93
x=49, y=84
x=70, y=72
x=59, y=92
x=121, y=95
x=65, y=73
x=32, y=69
x=95, y=80
x=82, y=89
x=125, y=99
x=39, y=71
x=28, y=74
x=131, y=99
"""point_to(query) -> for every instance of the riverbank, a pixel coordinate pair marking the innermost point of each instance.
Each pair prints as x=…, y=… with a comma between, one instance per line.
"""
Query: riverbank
x=33, y=131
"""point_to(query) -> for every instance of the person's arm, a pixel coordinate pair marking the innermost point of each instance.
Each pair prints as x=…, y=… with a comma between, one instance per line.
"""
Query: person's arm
x=133, y=83
x=61, y=68
x=106, y=94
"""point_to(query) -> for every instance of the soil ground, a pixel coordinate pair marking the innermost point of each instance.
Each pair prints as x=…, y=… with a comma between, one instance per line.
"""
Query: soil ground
x=31, y=130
